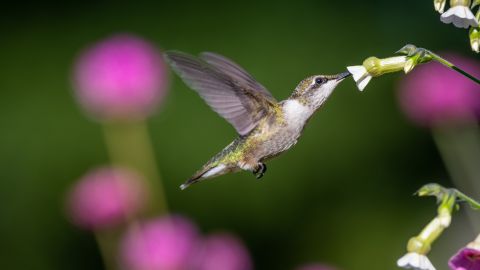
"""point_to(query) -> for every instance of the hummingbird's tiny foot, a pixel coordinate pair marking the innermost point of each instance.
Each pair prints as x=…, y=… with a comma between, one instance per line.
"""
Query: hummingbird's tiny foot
x=260, y=170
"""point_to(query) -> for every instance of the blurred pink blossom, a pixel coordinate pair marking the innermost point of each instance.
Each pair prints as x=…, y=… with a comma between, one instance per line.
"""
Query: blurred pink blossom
x=315, y=266
x=465, y=259
x=120, y=77
x=434, y=94
x=104, y=197
x=222, y=252
x=160, y=244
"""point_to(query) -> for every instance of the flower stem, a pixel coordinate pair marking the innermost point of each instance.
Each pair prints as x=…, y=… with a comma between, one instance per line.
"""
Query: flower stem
x=460, y=151
x=129, y=145
x=106, y=246
x=466, y=74
x=474, y=204
x=446, y=63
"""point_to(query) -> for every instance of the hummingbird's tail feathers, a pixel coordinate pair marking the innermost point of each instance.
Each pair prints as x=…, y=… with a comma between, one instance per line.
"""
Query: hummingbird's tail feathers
x=194, y=179
x=188, y=183
x=207, y=172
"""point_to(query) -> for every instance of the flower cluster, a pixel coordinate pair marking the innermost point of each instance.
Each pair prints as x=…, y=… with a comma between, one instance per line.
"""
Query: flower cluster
x=460, y=14
x=174, y=243
x=122, y=77
x=419, y=246
x=106, y=197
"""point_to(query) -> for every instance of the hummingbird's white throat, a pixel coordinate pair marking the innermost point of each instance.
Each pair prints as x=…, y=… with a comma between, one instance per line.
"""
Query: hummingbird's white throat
x=320, y=95
x=296, y=113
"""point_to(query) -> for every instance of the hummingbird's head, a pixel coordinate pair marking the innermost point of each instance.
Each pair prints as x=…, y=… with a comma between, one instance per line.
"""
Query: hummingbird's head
x=314, y=90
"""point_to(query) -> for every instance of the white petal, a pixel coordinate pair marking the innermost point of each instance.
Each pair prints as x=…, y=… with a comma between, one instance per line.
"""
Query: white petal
x=415, y=261
x=439, y=5
x=404, y=261
x=460, y=16
x=362, y=83
x=357, y=71
x=360, y=75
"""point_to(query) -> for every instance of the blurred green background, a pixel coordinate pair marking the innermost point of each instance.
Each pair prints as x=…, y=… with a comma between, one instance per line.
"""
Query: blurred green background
x=342, y=195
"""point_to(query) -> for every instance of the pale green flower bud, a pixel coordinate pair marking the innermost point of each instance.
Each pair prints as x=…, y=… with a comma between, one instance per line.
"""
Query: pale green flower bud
x=475, y=39
x=415, y=56
x=411, y=63
x=439, y=5
x=475, y=33
x=432, y=189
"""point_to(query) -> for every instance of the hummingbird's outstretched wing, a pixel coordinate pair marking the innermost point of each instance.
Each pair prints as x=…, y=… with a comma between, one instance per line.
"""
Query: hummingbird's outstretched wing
x=227, y=88
x=236, y=72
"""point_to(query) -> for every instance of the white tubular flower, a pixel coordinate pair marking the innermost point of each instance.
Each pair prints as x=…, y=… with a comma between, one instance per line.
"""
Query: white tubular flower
x=439, y=5
x=374, y=67
x=460, y=14
x=360, y=75
x=415, y=261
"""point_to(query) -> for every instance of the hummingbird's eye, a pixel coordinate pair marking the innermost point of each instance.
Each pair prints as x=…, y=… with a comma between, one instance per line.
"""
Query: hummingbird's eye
x=320, y=80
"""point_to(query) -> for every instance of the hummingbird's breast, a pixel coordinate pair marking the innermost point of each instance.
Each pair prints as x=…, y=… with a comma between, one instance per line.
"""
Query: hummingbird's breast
x=282, y=131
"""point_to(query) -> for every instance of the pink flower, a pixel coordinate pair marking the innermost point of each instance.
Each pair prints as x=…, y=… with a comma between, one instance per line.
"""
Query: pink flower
x=465, y=259
x=105, y=197
x=159, y=244
x=120, y=77
x=434, y=94
x=315, y=266
x=222, y=252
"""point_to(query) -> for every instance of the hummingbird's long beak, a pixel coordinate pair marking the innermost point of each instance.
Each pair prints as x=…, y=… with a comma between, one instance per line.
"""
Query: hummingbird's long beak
x=343, y=75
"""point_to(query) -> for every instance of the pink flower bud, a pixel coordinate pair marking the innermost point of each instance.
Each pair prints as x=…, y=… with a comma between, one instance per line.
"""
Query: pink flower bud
x=120, y=77
x=465, y=259
x=159, y=244
x=222, y=252
x=105, y=197
x=434, y=94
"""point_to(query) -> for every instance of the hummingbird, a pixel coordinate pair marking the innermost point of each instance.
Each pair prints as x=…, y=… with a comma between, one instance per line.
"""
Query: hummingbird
x=265, y=127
